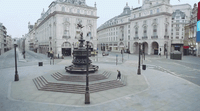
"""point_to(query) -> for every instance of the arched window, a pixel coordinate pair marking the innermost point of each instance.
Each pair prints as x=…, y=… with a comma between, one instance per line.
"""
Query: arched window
x=154, y=30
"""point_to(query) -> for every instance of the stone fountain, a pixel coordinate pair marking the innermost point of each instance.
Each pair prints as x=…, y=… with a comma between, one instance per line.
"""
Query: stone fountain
x=80, y=58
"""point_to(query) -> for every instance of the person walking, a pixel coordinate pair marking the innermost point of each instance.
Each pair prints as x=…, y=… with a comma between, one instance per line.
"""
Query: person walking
x=118, y=75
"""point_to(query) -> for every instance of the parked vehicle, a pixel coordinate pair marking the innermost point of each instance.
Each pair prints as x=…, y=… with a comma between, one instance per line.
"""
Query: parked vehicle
x=104, y=53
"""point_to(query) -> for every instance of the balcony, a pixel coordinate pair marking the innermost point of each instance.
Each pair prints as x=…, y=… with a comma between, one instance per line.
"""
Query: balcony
x=66, y=37
x=154, y=37
x=145, y=37
x=135, y=38
x=166, y=37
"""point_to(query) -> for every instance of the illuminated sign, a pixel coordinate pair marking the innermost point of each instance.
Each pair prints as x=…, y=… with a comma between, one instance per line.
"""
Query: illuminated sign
x=198, y=32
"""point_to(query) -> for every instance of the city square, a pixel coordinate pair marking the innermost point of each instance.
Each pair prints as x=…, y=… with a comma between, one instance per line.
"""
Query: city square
x=158, y=88
x=145, y=58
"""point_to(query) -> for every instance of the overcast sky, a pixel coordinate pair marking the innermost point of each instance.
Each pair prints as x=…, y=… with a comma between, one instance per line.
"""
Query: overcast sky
x=15, y=14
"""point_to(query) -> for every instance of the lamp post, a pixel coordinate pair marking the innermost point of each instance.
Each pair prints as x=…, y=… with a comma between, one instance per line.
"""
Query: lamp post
x=16, y=73
x=139, y=70
x=87, y=93
x=166, y=50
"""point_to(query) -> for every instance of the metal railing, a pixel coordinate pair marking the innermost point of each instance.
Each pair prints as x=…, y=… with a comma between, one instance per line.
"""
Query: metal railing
x=135, y=38
x=166, y=37
x=145, y=37
x=154, y=37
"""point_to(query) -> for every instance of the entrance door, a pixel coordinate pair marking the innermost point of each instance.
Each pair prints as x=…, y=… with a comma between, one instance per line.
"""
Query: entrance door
x=66, y=51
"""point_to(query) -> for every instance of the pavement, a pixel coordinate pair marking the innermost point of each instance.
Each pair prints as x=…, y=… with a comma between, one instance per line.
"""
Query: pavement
x=153, y=90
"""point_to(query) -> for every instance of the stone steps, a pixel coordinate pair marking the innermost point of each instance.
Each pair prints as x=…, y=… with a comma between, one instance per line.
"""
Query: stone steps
x=81, y=78
x=43, y=85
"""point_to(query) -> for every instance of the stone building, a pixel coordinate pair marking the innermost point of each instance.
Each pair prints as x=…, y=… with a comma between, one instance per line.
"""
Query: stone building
x=180, y=18
x=191, y=27
x=3, y=36
x=151, y=24
x=56, y=30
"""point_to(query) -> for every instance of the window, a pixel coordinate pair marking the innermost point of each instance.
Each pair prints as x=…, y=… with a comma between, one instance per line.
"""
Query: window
x=144, y=22
x=91, y=12
x=70, y=10
x=129, y=37
x=85, y=12
x=78, y=11
x=145, y=31
x=134, y=16
x=128, y=31
x=177, y=33
x=177, y=29
x=139, y=14
x=136, y=32
x=154, y=30
x=177, y=25
x=128, y=26
x=63, y=9
x=158, y=10
x=151, y=12
x=166, y=30
x=177, y=21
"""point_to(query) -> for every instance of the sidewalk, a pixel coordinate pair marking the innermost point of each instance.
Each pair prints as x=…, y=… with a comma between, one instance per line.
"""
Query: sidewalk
x=151, y=91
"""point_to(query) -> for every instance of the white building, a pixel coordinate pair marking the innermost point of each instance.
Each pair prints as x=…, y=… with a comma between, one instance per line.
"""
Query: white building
x=3, y=36
x=57, y=30
x=149, y=24
x=180, y=18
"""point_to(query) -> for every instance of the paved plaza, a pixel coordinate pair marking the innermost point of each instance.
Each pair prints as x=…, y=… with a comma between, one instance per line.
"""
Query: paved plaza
x=156, y=89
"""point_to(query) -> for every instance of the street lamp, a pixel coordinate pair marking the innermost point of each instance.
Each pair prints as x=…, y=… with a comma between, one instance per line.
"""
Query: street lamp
x=16, y=73
x=139, y=70
x=87, y=93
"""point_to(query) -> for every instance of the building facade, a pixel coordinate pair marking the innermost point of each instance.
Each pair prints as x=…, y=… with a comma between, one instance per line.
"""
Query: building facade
x=3, y=36
x=191, y=27
x=180, y=18
x=57, y=31
x=151, y=24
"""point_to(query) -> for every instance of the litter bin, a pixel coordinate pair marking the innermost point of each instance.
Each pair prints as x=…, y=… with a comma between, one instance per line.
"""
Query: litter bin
x=40, y=63
x=177, y=55
x=144, y=67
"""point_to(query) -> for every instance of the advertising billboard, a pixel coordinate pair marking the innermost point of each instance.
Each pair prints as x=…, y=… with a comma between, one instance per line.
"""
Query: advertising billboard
x=198, y=32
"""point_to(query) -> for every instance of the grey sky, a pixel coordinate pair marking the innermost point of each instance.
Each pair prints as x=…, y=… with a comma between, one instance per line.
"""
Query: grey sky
x=15, y=14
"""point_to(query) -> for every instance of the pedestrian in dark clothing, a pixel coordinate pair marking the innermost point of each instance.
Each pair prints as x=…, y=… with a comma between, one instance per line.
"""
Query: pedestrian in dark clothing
x=119, y=75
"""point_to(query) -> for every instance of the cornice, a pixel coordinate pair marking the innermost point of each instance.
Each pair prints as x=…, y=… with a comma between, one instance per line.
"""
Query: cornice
x=153, y=15
x=82, y=6
x=114, y=26
x=65, y=13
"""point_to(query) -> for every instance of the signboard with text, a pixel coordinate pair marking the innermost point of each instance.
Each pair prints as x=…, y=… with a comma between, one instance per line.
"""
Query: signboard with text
x=198, y=32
